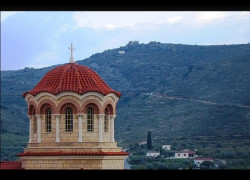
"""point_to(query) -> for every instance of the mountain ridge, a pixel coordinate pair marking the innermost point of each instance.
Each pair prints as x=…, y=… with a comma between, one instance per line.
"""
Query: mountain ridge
x=214, y=73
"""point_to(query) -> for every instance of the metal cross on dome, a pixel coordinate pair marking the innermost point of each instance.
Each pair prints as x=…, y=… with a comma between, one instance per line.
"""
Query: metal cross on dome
x=71, y=58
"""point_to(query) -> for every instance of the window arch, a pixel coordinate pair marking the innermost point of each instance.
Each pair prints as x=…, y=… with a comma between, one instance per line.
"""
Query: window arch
x=90, y=119
x=69, y=119
x=48, y=120
x=106, y=120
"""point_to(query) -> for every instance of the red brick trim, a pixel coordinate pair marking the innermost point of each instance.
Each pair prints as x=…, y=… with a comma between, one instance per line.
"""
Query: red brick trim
x=109, y=105
x=50, y=103
x=95, y=104
x=72, y=102
x=30, y=105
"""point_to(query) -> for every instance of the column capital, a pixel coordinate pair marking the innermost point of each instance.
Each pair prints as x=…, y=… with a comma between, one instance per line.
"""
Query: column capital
x=29, y=116
x=57, y=115
x=100, y=115
x=80, y=114
x=112, y=116
x=38, y=116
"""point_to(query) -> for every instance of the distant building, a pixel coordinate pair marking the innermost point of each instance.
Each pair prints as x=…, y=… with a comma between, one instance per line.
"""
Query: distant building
x=198, y=161
x=142, y=142
x=131, y=43
x=121, y=52
x=184, y=154
x=218, y=162
x=166, y=147
x=153, y=154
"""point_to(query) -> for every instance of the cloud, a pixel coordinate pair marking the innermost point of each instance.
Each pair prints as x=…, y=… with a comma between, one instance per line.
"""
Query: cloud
x=44, y=59
x=151, y=19
x=7, y=14
x=206, y=17
x=175, y=19
x=244, y=15
x=129, y=20
x=110, y=26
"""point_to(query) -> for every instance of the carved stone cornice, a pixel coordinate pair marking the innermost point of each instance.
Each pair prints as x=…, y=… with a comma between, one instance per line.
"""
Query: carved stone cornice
x=57, y=115
x=80, y=115
x=100, y=116
x=38, y=116
x=112, y=116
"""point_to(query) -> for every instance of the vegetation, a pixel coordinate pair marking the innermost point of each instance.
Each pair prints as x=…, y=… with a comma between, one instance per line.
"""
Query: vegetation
x=207, y=165
x=188, y=96
x=149, y=141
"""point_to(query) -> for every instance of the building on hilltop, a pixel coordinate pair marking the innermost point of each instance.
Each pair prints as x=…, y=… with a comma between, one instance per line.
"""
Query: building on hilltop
x=166, y=147
x=185, y=154
x=132, y=43
x=72, y=113
x=153, y=154
x=198, y=161
x=121, y=52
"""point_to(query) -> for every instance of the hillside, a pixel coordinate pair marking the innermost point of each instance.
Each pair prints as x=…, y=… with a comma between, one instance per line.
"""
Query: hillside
x=177, y=91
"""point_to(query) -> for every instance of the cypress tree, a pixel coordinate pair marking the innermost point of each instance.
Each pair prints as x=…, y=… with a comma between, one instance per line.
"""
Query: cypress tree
x=149, y=141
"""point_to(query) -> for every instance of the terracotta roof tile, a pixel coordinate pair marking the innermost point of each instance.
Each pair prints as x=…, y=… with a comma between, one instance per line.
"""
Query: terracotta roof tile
x=73, y=78
x=60, y=153
x=189, y=152
x=11, y=165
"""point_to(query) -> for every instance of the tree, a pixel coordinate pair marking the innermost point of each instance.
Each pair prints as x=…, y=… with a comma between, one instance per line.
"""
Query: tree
x=206, y=165
x=149, y=141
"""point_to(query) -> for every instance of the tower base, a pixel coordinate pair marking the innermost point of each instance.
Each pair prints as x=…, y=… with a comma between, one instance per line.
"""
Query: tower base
x=73, y=160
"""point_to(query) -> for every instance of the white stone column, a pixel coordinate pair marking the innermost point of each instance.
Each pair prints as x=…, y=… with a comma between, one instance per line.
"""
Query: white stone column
x=80, y=117
x=112, y=128
x=30, y=135
x=39, y=126
x=100, y=120
x=57, y=127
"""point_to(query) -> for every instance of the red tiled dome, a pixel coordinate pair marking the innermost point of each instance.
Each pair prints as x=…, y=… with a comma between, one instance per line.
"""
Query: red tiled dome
x=72, y=77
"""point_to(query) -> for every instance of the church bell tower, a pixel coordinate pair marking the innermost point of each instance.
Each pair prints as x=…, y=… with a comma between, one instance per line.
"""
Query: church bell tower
x=72, y=113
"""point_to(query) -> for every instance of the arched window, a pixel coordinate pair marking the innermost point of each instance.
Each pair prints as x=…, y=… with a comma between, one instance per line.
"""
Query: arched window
x=106, y=120
x=34, y=121
x=90, y=118
x=48, y=120
x=69, y=120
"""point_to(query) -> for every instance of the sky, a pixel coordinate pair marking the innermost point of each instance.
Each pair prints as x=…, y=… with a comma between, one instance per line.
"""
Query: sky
x=41, y=38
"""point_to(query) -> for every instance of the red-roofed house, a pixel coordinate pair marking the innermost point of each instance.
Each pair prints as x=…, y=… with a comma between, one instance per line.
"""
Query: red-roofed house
x=184, y=154
x=71, y=112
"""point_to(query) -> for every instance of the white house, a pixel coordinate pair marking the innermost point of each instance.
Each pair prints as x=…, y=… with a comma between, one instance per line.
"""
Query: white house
x=166, y=147
x=153, y=154
x=142, y=142
x=184, y=154
x=121, y=52
x=198, y=161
